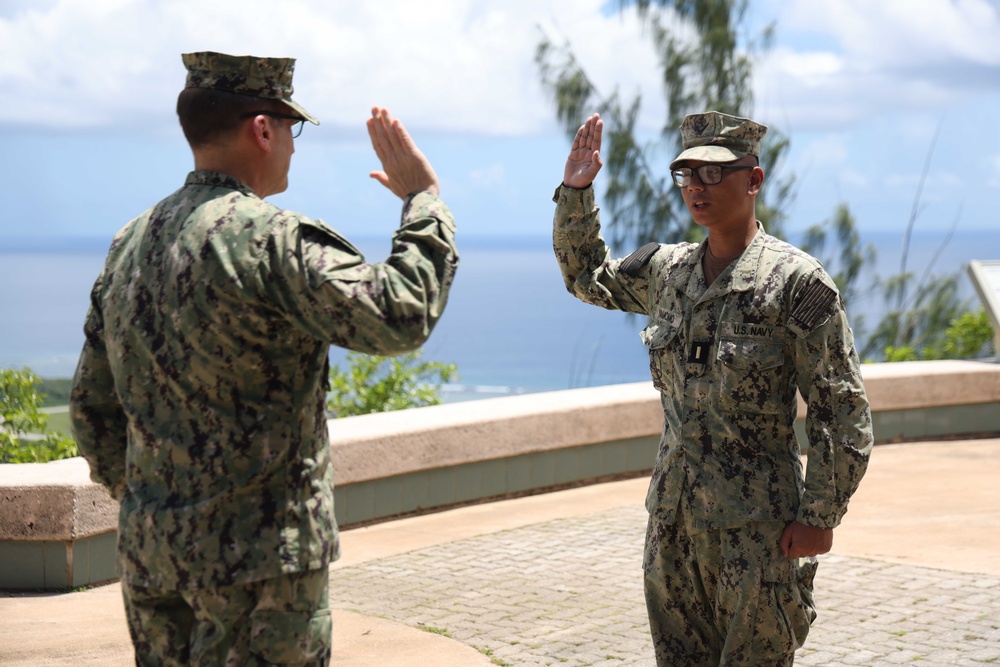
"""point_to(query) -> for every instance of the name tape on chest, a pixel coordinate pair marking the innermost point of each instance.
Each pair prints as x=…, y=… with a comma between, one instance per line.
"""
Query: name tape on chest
x=755, y=330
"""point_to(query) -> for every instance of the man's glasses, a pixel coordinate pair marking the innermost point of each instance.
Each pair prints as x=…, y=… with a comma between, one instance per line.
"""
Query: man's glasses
x=709, y=174
x=296, y=126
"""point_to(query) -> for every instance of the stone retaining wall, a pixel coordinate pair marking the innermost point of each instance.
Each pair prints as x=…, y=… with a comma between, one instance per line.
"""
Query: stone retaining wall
x=57, y=528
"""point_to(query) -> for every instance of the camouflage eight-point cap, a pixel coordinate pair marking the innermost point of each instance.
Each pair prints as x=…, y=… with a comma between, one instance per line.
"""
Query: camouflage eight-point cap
x=268, y=78
x=718, y=137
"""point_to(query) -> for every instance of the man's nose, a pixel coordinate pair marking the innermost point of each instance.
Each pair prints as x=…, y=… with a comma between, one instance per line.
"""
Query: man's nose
x=694, y=183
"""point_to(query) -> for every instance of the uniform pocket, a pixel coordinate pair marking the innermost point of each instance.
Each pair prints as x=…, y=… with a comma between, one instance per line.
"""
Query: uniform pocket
x=663, y=343
x=785, y=609
x=291, y=638
x=750, y=374
x=805, y=576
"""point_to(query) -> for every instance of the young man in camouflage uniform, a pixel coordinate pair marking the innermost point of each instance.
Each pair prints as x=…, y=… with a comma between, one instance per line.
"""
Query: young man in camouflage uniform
x=199, y=398
x=737, y=323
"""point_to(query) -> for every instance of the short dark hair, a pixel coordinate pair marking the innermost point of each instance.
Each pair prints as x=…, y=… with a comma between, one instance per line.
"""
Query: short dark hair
x=208, y=115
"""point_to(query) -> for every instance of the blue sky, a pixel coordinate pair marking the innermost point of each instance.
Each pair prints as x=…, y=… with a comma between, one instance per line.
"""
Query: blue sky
x=861, y=88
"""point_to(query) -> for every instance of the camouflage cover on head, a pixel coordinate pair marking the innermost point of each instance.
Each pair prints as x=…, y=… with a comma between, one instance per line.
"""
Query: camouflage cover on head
x=267, y=78
x=718, y=137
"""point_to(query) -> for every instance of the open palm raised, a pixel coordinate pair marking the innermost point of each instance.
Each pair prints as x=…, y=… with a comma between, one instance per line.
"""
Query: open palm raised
x=584, y=159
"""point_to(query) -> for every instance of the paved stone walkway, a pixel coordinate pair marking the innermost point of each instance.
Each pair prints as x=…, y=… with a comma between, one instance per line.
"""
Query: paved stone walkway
x=568, y=592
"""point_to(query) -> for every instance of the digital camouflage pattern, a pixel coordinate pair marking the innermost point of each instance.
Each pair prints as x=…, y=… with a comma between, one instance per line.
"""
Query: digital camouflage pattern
x=756, y=606
x=268, y=78
x=727, y=360
x=198, y=399
x=718, y=137
x=285, y=620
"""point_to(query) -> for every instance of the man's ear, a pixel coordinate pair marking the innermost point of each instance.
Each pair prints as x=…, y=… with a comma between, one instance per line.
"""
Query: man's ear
x=260, y=132
x=756, y=181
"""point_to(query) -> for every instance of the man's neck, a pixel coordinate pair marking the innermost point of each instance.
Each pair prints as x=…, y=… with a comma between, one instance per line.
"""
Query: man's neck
x=233, y=164
x=731, y=242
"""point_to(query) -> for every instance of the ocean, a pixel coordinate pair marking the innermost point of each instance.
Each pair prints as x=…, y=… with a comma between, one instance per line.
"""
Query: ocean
x=510, y=326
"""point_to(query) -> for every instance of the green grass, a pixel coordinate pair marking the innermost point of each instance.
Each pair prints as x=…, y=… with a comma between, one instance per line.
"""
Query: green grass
x=56, y=395
x=56, y=392
x=59, y=422
x=500, y=662
x=44, y=401
x=437, y=631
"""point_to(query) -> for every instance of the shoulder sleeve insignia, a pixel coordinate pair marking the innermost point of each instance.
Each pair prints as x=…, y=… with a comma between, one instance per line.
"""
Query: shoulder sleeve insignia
x=813, y=305
x=632, y=264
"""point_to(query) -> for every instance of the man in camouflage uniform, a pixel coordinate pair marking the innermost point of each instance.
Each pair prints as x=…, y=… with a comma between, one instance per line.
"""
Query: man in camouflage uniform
x=737, y=324
x=199, y=398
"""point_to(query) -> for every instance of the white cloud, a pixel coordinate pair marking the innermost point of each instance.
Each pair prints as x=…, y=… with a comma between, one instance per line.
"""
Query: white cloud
x=490, y=177
x=907, y=34
x=831, y=149
x=936, y=184
x=468, y=66
x=841, y=62
x=456, y=65
x=851, y=179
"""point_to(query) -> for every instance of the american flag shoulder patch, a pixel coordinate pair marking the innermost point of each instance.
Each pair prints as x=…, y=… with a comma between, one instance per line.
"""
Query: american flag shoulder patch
x=631, y=265
x=814, y=303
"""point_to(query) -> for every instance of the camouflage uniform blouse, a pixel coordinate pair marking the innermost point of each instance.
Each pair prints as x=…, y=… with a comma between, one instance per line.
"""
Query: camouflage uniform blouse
x=727, y=360
x=200, y=393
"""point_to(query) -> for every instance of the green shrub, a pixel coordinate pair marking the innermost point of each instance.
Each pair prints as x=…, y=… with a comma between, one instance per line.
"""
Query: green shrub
x=382, y=384
x=23, y=429
x=968, y=336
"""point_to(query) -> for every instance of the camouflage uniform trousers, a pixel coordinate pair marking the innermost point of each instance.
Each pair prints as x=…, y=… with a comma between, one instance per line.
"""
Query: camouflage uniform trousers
x=724, y=597
x=281, y=621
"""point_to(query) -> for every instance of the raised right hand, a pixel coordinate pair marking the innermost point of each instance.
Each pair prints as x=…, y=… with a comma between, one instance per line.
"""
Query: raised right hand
x=584, y=159
x=405, y=170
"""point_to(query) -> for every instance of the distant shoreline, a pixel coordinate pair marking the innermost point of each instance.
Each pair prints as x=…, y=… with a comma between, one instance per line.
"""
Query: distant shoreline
x=541, y=340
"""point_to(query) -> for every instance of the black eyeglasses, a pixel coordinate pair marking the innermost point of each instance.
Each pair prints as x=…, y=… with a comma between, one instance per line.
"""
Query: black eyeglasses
x=296, y=126
x=709, y=174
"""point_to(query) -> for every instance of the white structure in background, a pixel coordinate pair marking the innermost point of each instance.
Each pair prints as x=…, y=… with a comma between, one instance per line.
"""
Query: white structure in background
x=985, y=276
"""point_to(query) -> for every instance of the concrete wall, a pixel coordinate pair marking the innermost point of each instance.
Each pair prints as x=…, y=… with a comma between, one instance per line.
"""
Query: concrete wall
x=57, y=528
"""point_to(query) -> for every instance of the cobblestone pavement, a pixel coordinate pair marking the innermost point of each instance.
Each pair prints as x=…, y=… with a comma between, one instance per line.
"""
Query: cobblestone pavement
x=568, y=592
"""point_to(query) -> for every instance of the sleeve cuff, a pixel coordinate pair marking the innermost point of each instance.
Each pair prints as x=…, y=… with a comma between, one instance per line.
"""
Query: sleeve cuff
x=573, y=199
x=423, y=204
x=818, y=515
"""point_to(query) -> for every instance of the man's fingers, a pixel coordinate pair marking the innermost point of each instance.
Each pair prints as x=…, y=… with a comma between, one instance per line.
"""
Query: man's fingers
x=595, y=128
x=393, y=131
x=401, y=139
x=380, y=131
x=588, y=137
x=379, y=141
x=404, y=167
x=389, y=135
x=799, y=540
